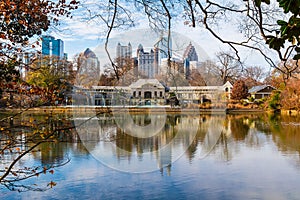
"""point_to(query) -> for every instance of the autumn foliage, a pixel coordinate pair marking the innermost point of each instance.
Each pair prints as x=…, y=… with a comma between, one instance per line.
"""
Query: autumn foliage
x=22, y=19
x=290, y=95
x=239, y=90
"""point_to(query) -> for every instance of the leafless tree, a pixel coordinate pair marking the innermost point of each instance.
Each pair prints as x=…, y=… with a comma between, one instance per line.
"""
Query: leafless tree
x=256, y=20
x=254, y=75
x=227, y=67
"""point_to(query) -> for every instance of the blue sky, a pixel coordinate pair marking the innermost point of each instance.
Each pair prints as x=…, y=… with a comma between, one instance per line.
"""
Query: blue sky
x=79, y=34
x=86, y=37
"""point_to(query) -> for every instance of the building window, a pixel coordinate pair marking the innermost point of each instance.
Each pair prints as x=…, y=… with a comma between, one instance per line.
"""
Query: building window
x=134, y=94
x=140, y=93
x=155, y=93
x=160, y=94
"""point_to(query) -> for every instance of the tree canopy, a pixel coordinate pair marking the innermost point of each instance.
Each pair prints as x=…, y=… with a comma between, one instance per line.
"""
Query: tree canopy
x=22, y=19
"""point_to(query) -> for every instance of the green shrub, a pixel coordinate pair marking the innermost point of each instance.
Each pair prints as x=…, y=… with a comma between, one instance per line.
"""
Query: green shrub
x=274, y=102
x=251, y=99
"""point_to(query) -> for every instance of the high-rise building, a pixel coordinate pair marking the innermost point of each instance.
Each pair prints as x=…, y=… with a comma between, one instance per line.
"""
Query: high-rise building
x=190, y=53
x=88, y=69
x=52, y=47
x=173, y=66
x=187, y=69
x=124, y=57
x=164, y=46
x=91, y=60
x=124, y=51
x=147, y=62
x=26, y=59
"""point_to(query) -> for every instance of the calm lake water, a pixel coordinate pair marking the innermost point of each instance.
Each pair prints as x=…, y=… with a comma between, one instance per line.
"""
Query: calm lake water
x=170, y=156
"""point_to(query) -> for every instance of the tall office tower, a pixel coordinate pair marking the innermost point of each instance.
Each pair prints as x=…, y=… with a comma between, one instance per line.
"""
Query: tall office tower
x=88, y=69
x=26, y=59
x=190, y=53
x=147, y=62
x=91, y=60
x=124, y=57
x=164, y=46
x=187, y=69
x=124, y=51
x=52, y=47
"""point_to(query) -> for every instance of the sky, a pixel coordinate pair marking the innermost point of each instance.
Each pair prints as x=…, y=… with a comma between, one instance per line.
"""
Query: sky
x=79, y=33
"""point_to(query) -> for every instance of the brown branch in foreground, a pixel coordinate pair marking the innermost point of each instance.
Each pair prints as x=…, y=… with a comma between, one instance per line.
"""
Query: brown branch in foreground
x=8, y=170
x=11, y=184
x=231, y=43
x=28, y=151
x=169, y=36
x=110, y=28
x=189, y=2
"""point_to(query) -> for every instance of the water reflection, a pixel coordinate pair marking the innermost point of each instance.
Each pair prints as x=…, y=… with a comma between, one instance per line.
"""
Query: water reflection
x=286, y=135
x=243, y=141
x=139, y=144
x=196, y=136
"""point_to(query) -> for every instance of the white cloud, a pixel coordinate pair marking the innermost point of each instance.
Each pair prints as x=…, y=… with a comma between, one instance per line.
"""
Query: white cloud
x=80, y=34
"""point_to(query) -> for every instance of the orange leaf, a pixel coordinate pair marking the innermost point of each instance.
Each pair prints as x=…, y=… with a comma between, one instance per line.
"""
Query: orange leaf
x=51, y=184
x=45, y=170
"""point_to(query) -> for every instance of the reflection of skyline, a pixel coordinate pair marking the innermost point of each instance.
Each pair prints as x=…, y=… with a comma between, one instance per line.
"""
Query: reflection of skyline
x=174, y=139
x=238, y=131
x=213, y=177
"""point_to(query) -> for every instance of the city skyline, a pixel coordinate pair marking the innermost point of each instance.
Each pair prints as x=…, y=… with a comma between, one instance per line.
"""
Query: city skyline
x=90, y=37
x=153, y=62
x=208, y=46
x=148, y=39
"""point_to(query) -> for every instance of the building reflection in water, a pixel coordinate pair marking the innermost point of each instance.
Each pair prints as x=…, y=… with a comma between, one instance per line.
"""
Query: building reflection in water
x=110, y=142
x=215, y=135
x=195, y=136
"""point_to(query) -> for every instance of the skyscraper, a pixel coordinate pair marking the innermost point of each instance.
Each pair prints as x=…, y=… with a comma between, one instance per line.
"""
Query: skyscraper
x=25, y=60
x=147, y=62
x=164, y=46
x=190, y=53
x=88, y=69
x=187, y=70
x=52, y=47
x=88, y=61
x=124, y=51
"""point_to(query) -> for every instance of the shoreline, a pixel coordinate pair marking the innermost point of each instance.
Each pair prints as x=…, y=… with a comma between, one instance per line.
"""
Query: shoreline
x=70, y=110
x=99, y=109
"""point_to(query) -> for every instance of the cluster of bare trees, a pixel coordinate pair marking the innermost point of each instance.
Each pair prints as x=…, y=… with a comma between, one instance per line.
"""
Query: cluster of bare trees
x=263, y=25
x=226, y=67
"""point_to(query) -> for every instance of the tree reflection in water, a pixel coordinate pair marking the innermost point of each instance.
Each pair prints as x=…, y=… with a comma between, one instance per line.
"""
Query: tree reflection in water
x=219, y=136
x=23, y=138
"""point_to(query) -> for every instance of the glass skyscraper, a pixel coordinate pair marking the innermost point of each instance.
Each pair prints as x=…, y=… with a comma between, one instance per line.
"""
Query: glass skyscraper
x=52, y=47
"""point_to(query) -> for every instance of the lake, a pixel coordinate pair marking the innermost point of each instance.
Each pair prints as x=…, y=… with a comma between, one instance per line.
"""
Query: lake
x=165, y=156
